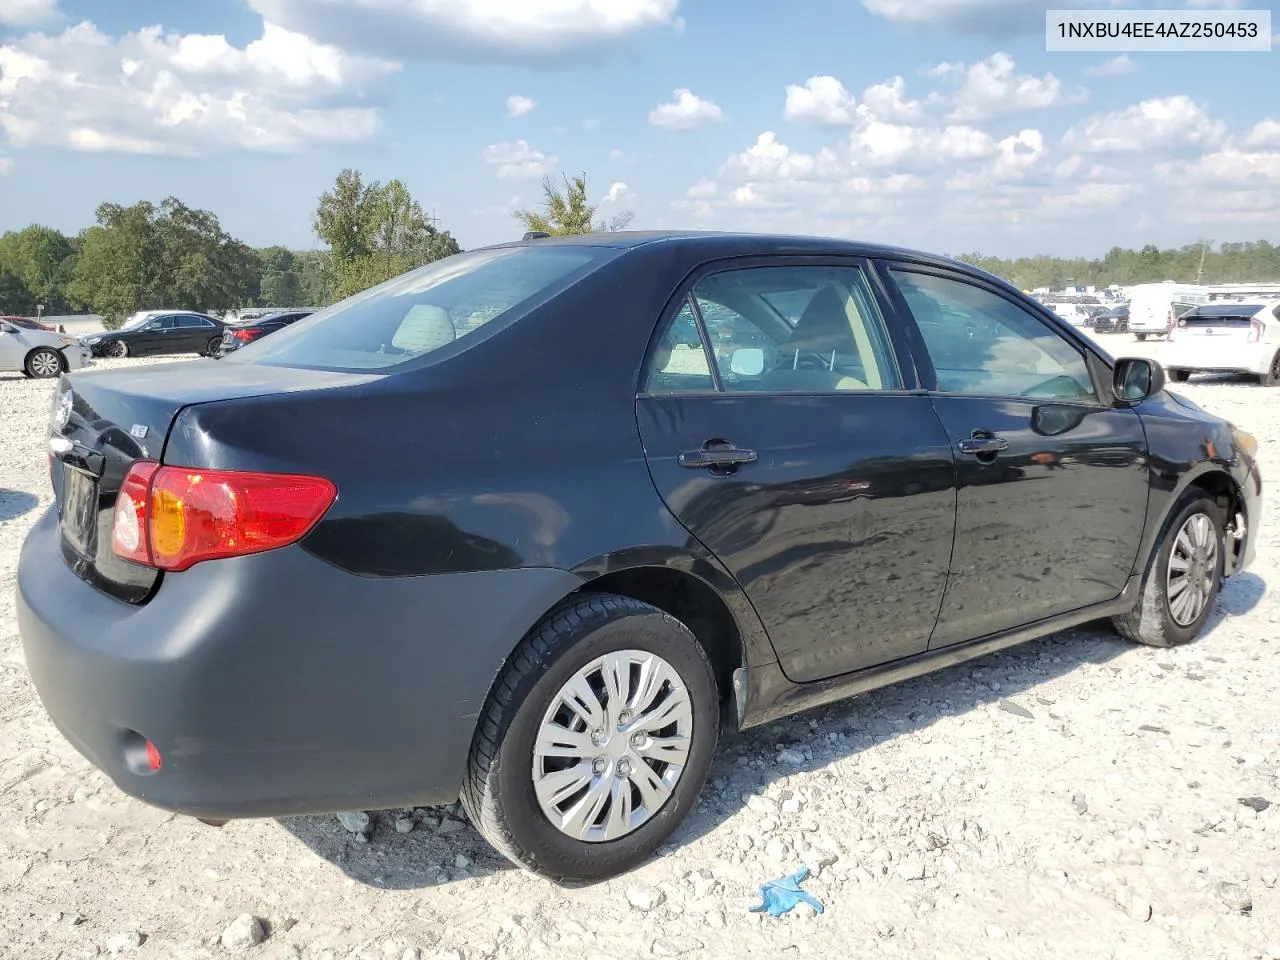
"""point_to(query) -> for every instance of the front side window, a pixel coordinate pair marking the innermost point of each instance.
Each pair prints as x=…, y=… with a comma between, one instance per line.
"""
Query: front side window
x=426, y=309
x=803, y=329
x=982, y=344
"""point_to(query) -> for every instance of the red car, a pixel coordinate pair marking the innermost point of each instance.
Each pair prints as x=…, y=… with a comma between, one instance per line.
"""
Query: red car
x=28, y=323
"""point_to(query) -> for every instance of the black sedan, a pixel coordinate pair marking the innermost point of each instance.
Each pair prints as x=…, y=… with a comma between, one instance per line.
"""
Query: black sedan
x=235, y=336
x=1115, y=320
x=484, y=532
x=172, y=333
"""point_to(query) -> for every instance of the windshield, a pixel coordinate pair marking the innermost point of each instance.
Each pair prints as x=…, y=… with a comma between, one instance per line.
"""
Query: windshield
x=426, y=309
x=135, y=321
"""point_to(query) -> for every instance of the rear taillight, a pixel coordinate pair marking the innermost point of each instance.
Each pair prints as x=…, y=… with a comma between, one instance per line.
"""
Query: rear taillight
x=175, y=517
x=245, y=335
x=1256, y=330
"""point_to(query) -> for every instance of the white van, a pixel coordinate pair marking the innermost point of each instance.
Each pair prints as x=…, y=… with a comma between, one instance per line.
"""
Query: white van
x=1155, y=307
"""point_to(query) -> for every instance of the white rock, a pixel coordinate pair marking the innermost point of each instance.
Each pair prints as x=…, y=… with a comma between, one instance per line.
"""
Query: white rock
x=355, y=821
x=761, y=804
x=675, y=946
x=912, y=868
x=714, y=919
x=411, y=953
x=790, y=757
x=777, y=849
x=448, y=954
x=243, y=932
x=994, y=932
x=791, y=805
x=124, y=942
x=645, y=898
x=1268, y=878
x=462, y=861
x=404, y=825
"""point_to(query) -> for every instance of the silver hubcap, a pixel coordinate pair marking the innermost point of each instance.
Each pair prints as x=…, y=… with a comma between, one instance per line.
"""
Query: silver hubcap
x=118, y=349
x=44, y=365
x=612, y=746
x=1193, y=564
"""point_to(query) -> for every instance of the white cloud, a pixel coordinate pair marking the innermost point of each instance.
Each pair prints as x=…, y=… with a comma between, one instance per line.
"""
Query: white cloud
x=702, y=190
x=617, y=193
x=893, y=144
x=153, y=92
x=767, y=158
x=615, y=154
x=1161, y=124
x=490, y=31
x=997, y=18
x=994, y=88
x=518, y=106
x=1259, y=168
x=1264, y=134
x=822, y=100
x=518, y=161
x=888, y=101
x=1115, y=67
x=687, y=111
x=28, y=13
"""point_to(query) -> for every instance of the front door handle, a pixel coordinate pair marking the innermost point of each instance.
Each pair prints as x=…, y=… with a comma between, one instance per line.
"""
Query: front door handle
x=983, y=444
x=716, y=456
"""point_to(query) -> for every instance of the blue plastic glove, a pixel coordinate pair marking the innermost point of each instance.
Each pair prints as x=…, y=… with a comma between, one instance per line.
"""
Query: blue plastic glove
x=781, y=896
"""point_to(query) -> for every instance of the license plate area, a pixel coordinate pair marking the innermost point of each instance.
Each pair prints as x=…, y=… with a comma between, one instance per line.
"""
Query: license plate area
x=80, y=512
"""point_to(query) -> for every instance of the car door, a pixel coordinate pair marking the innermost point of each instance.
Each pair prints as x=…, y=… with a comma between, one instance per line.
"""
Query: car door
x=788, y=441
x=13, y=346
x=156, y=336
x=1053, y=477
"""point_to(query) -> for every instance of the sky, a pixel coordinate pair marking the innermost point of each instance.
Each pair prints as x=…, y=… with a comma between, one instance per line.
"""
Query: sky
x=942, y=125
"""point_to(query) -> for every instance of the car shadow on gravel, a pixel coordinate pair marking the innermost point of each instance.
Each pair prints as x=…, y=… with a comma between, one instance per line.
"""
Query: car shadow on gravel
x=14, y=503
x=441, y=848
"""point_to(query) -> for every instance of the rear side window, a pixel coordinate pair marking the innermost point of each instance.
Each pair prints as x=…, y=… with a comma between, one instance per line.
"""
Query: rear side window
x=782, y=329
x=1232, y=316
x=426, y=309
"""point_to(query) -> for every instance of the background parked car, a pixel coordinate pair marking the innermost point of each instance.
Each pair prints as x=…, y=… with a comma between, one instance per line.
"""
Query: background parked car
x=1240, y=337
x=26, y=323
x=235, y=336
x=170, y=333
x=1115, y=320
x=39, y=353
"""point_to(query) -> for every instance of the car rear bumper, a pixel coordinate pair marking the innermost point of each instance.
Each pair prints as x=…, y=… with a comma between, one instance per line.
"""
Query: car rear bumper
x=274, y=684
x=1200, y=356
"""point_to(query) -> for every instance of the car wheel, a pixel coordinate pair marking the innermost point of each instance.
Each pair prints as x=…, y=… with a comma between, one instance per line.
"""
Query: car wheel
x=1272, y=377
x=1178, y=376
x=118, y=349
x=43, y=363
x=1141, y=336
x=595, y=741
x=211, y=350
x=1182, y=579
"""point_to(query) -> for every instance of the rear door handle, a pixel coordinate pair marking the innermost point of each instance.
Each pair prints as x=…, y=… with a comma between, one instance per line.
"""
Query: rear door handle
x=716, y=457
x=981, y=445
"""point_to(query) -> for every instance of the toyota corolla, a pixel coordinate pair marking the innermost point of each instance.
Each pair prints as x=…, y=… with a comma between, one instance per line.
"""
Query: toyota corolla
x=515, y=528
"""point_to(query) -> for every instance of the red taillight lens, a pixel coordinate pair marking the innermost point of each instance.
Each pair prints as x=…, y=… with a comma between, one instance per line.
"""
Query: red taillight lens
x=186, y=515
x=129, y=537
x=154, y=762
x=1256, y=329
x=245, y=335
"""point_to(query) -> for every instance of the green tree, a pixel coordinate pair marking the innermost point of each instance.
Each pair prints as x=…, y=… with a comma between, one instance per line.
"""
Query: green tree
x=15, y=299
x=45, y=261
x=375, y=232
x=315, y=278
x=279, y=283
x=148, y=257
x=570, y=212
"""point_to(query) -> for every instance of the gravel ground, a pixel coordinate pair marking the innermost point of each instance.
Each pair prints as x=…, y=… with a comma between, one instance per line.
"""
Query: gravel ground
x=1077, y=797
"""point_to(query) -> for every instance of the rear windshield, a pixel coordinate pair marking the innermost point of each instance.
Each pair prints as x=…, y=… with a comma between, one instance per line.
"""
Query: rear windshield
x=424, y=310
x=1233, y=315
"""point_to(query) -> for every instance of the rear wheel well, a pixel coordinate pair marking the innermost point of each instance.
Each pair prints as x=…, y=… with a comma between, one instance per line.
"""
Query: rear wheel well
x=691, y=601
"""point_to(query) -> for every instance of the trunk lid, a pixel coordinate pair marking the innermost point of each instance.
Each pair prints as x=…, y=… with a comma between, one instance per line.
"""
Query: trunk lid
x=101, y=422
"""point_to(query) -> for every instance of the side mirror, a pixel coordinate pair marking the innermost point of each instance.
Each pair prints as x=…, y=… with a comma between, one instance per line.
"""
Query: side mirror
x=747, y=362
x=6, y=328
x=1137, y=378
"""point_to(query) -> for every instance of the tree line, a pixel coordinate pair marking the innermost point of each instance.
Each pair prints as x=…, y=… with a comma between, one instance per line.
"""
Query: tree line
x=151, y=256
x=1248, y=262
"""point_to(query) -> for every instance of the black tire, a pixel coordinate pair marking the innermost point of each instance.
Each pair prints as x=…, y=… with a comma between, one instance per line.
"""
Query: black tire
x=212, y=349
x=117, y=350
x=1272, y=377
x=1178, y=376
x=1141, y=336
x=498, y=791
x=44, y=363
x=1151, y=621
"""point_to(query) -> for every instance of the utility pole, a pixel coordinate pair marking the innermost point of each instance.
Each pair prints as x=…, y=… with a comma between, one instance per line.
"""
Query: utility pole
x=434, y=220
x=1203, y=251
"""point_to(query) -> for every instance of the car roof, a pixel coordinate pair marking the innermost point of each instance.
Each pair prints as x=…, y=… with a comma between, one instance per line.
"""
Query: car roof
x=713, y=244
